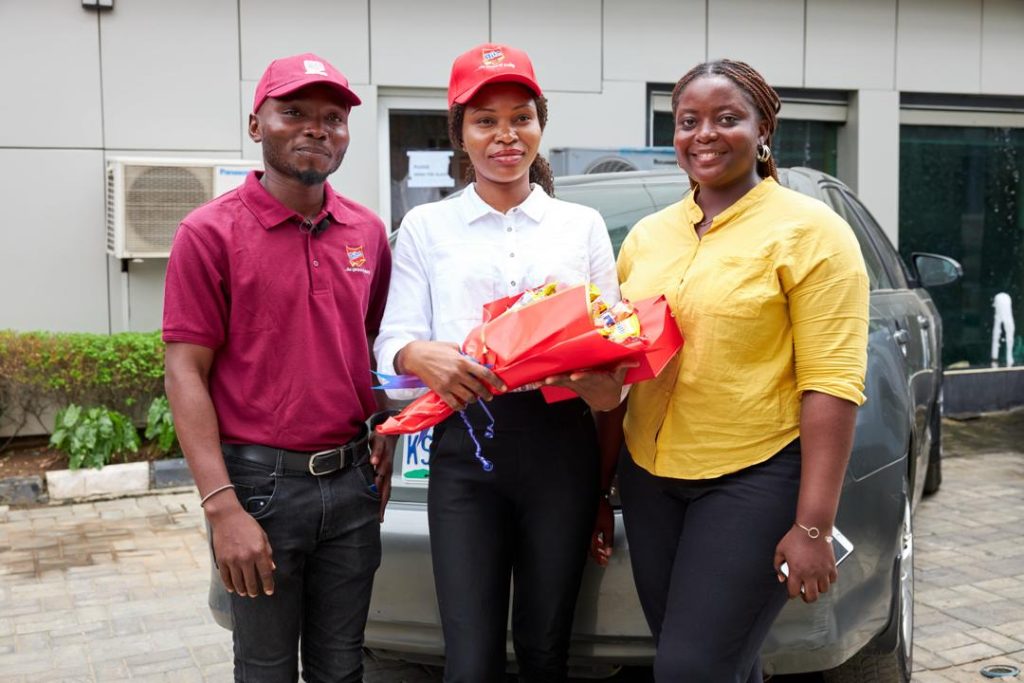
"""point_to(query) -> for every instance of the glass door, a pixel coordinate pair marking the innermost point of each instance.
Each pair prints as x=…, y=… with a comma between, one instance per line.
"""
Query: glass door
x=419, y=164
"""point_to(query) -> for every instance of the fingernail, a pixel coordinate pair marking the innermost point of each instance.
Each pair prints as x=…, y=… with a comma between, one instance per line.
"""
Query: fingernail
x=269, y=593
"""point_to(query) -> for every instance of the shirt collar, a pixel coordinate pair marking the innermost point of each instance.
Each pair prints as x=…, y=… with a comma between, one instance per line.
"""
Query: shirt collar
x=271, y=213
x=534, y=206
x=696, y=215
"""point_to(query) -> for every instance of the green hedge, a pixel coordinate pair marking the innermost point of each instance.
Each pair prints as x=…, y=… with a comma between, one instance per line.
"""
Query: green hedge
x=42, y=371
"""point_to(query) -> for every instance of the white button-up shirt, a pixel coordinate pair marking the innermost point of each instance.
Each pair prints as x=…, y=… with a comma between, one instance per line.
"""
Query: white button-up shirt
x=454, y=256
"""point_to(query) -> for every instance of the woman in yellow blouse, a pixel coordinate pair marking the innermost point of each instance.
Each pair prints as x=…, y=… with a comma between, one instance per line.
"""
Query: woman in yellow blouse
x=738, y=450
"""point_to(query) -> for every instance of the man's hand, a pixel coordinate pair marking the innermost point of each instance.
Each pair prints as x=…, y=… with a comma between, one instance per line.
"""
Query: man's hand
x=382, y=457
x=602, y=541
x=455, y=377
x=241, y=549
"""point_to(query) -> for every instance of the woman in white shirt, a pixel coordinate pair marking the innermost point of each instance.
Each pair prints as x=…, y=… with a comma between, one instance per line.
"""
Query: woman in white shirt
x=530, y=517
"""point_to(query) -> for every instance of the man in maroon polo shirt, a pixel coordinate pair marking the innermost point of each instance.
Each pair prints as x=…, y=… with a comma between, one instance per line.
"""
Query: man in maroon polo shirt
x=272, y=292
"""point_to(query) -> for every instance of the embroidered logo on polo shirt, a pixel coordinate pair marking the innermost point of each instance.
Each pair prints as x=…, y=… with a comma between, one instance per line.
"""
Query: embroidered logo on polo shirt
x=356, y=256
x=314, y=67
x=356, y=260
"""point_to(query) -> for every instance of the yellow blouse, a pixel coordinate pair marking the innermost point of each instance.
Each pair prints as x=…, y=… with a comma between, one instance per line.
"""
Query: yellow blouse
x=772, y=302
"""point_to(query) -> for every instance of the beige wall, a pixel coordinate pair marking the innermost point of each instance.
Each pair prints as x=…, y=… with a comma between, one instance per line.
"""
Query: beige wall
x=176, y=78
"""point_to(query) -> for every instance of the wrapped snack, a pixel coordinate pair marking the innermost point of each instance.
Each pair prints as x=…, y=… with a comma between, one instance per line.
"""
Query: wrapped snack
x=536, y=294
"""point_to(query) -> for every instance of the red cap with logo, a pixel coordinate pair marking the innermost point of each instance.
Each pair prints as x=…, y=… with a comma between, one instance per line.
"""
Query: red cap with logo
x=288, y=74
x=489, y=63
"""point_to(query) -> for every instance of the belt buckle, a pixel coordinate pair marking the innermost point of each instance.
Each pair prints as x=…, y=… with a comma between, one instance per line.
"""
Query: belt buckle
x=313, y=459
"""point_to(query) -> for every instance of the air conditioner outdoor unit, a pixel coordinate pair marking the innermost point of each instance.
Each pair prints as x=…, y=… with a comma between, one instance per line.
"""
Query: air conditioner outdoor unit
x=148, y=197
x=584, y=160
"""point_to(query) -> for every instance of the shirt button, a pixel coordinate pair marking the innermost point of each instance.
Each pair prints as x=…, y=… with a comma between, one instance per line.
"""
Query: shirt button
x=512, y=255
x=508, y=228
x=513, y=283
x=316, y=264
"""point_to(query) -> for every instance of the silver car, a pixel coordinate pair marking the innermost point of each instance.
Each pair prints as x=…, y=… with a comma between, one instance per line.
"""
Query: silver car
x=861, y=630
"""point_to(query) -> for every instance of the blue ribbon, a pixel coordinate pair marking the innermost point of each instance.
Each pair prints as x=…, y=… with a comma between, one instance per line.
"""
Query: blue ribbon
x=488, y=433
x=398, y=381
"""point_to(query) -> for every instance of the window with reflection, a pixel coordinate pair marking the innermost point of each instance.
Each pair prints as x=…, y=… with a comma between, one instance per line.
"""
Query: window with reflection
x=960, y=195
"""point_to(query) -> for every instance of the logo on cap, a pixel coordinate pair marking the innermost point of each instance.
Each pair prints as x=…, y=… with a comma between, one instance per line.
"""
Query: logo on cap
x=493, y=57
x=314, y=67
x=356, y=256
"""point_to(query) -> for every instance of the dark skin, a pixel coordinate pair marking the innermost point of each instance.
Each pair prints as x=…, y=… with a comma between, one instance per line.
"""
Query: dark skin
x=501, y=135
x=718, y=129
x=304, y=139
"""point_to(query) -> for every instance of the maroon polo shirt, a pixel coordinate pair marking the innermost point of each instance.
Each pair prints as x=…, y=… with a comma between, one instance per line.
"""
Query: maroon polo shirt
x=286, y=312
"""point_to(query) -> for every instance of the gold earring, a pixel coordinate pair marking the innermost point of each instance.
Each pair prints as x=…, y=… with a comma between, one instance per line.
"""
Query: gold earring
x=764, y=152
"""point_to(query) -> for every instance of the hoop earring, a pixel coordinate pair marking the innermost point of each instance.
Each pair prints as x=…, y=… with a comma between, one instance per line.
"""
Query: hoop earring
x=764, y=152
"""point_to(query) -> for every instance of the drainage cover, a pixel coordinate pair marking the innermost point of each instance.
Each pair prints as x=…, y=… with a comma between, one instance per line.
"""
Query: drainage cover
x=999, y=671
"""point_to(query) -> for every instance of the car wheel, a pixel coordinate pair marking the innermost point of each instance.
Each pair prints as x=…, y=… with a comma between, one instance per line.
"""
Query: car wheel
x=933, y=478
x=889, y=657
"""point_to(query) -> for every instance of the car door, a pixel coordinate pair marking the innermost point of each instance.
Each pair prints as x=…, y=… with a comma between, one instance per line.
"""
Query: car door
x=884, y=426
x=916, y=324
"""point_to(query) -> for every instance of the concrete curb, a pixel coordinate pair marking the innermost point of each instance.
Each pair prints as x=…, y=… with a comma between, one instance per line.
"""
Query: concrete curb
x=110, y=481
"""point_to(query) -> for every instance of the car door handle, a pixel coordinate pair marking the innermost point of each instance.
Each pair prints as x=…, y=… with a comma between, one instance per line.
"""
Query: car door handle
x=924, y=322
x=902, y=337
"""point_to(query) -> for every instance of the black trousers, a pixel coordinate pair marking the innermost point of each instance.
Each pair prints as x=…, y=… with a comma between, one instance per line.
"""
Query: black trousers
x=527, y=521
x=702, y=554
x=325, y=536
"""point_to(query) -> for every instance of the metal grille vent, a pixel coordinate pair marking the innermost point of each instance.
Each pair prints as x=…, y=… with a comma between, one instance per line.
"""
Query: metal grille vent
x=156, y=199
x=111, y=222
x=610, y=165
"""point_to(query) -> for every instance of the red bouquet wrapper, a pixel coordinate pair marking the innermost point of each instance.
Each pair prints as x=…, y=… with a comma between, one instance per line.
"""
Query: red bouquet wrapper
x=552, y=336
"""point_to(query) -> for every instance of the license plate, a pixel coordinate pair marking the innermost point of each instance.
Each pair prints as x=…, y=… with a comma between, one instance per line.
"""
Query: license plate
x=416, y=457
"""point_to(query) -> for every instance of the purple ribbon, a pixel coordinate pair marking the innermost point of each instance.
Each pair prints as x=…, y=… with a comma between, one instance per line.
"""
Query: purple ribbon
x=488, y=433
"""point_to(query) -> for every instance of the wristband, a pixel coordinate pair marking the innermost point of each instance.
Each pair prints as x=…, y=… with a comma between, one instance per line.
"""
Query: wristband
x=211, y=494
x=813, y=531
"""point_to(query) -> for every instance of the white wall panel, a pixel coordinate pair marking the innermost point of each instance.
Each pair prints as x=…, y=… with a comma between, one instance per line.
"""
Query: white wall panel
x=50, y=70
x=53, y=264
x=851, y=45
x=337, y=30
x=614, y=118
x=652, y=40
x=767, y=34
x=415, y=43
x=170, y=74
x=1002, y=47
x=938, y=46
x=562, y=38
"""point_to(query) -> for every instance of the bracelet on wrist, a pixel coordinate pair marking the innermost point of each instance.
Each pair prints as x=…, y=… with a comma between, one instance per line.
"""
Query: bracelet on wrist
x=211, y=494
x=813, y=532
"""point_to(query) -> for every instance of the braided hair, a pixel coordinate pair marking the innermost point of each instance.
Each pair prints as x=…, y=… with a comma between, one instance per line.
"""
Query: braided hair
x=764, y=98
x=540, y=169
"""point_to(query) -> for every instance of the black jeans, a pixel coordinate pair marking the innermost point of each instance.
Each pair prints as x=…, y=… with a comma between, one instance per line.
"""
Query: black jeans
x=702, y=554
x=528, y=519
x=325, y=536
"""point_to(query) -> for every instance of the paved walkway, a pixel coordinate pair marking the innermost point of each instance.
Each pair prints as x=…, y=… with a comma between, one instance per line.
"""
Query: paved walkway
x=116, y=590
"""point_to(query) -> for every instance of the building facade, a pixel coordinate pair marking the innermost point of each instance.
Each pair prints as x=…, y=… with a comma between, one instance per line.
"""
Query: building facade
x=917, y=104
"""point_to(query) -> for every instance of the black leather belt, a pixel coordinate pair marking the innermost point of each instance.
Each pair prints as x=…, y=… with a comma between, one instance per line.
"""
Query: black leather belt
x=317, y=463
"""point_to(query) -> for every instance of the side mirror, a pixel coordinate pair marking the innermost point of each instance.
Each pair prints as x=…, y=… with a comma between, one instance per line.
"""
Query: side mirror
x=934, y=270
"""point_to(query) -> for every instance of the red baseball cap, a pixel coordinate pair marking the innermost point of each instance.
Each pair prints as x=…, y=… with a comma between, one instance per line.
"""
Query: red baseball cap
x=288, y=74
x=489, y=63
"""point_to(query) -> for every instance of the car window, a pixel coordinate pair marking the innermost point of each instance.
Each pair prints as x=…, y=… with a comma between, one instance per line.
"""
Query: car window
x=621, y=206
x=890, y=257
x=664, y=194
x=877, y=275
